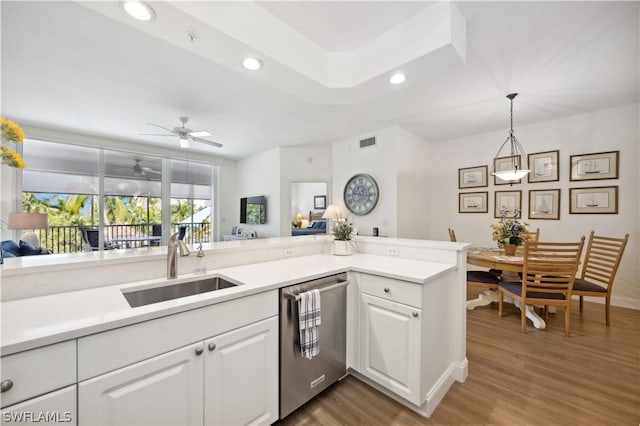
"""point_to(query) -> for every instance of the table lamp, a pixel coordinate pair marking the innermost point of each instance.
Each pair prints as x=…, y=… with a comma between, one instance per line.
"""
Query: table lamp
x=332, y=213
x=29, y=221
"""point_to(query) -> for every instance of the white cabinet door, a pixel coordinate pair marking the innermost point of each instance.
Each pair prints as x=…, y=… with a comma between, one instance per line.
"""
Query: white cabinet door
x=390, y=336
x=54, y=408
x=241, y=376
x=166, y=389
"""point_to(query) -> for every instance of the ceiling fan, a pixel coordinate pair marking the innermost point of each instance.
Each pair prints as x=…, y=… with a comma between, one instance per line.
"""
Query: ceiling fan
x=184, y=134
x=139, y=170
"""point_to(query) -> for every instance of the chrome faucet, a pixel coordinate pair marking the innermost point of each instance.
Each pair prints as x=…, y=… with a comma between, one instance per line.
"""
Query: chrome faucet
x=172, y=254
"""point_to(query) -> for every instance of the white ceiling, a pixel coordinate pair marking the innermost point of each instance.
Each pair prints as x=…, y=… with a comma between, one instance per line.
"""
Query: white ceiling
x=88, y=68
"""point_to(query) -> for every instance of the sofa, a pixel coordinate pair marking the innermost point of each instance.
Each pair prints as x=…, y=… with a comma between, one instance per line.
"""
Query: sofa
x=23, y=248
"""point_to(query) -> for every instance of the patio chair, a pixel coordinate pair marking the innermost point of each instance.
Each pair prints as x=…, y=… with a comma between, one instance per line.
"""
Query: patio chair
x=156, y=231
x=600, y=266
x=91, y=239
x=182, y=232
x=548, y=275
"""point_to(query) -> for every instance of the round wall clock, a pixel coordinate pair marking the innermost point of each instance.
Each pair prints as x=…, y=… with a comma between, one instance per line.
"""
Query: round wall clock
x=361, y=194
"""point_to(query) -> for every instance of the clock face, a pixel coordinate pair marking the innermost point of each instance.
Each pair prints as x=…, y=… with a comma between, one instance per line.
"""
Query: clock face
x=361, y=194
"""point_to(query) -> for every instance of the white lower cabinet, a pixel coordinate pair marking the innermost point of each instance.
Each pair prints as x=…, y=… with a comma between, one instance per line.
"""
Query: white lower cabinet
x=53, y=408
x=166, y=389
x=228, y=379
x=241, y=376
x=390, y=346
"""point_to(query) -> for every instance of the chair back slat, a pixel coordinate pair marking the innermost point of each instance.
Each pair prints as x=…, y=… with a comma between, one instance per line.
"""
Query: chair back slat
x=550, y=268
x=602, y=258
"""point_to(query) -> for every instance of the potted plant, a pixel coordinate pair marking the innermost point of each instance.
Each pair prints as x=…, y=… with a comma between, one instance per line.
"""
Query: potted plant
x=508, y=232
x=342, y=244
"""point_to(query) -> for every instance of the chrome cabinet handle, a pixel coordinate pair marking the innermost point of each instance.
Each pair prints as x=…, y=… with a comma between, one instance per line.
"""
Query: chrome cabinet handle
x=6, y=385
x=386, y=289
x=415, y=314
x=212, y=346
x=199, y=351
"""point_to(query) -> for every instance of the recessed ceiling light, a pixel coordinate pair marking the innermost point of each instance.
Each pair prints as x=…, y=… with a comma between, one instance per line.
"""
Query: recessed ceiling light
x=397, y=78
x=252, y=64
x=138, y=10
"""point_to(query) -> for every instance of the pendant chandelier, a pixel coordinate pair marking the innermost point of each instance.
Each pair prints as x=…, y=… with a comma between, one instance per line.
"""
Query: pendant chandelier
x=508, y=166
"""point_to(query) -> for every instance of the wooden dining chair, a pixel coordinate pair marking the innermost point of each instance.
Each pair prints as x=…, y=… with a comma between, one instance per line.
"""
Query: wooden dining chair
x=534, y=236
x=485, y=280
x=601, y=263
x=548, y=275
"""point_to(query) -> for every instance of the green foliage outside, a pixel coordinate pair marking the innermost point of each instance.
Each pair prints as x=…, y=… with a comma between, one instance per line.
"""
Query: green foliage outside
x=72, y=210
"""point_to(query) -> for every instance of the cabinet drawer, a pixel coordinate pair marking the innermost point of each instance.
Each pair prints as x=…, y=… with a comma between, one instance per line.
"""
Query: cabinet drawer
x=103, y=352
x=390, y=289
x=54, y=408
x=38, y=371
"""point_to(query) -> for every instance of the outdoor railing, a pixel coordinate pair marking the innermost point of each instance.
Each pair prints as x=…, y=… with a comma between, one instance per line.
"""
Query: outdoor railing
x=68, y=239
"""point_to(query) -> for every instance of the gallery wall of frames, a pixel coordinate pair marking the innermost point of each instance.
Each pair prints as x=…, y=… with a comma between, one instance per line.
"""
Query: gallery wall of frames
x=544, y=197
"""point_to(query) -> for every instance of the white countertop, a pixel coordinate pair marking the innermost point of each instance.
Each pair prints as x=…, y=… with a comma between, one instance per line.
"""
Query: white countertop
x=38, y=321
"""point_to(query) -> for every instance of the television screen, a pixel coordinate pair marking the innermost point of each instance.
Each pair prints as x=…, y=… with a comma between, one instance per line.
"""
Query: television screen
x=253, y=210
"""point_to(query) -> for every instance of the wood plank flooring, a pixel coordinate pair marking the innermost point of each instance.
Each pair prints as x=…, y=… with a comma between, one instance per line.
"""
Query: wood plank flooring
x=538, y=378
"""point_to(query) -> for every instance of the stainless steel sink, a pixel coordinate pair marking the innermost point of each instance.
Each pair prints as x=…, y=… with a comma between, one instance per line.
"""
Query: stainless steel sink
x=160, y=294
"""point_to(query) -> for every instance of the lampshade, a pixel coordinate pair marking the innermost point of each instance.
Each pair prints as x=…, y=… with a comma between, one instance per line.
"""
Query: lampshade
x=510, y=162
x=28, y=220
x=332, y=212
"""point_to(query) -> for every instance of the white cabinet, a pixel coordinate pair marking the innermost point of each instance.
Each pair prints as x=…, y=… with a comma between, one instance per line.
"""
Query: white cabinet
x=53, y=408
x=241, y=376
x=166, y=389
x=228, y=379
x=390, y=346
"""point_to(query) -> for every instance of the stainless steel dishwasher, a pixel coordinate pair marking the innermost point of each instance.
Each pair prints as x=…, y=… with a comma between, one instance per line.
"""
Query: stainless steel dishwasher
x=301, y=379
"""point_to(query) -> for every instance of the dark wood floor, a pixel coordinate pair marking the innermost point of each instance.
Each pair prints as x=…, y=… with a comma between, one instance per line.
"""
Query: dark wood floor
x=538, y=378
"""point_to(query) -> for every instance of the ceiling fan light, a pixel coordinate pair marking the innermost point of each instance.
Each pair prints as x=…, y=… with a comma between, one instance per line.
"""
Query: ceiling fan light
x=184, y=142
x=200, y=134
x=138, y=10
x=252, y=64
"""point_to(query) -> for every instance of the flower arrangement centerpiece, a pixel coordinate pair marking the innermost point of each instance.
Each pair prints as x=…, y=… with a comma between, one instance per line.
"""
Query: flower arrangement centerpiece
x=508, y=232
x=11, y=133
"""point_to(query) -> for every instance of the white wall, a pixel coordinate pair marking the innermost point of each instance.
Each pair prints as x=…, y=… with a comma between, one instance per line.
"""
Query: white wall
x=379, y=161
x=606, y=130
x=260, y=175
x=228, y=198
x=309, y=163
x=398, y=164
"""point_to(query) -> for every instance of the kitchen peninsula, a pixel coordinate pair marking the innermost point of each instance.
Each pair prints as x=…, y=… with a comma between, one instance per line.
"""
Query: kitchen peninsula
x=212, y=346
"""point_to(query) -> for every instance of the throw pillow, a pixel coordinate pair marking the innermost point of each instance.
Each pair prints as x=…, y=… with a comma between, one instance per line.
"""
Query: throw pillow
x=10, y=249
x=26, y=249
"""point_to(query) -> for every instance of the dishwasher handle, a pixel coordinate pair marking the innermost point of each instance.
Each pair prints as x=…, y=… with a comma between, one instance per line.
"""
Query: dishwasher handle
x=330, y=287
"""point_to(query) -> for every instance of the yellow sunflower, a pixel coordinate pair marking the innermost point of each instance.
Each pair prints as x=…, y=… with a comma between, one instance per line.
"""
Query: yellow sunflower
x=11, y=131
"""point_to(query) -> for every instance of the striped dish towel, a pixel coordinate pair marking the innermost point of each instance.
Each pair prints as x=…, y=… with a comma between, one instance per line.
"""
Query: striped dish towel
x=309, y=320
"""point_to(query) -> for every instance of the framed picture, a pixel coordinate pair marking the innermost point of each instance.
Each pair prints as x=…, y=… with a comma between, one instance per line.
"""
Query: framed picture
x=544, y=204
x=596, y=200
x=473, y=202
x=473, y=177
x=240, y=230
x=544, y=167
x=601, y=165
x=506, y=163
x=508, y=200
x=320, y=202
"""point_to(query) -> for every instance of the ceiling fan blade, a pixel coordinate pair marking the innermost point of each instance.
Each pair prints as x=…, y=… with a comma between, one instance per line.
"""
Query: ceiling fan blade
x=200, y=134
x=163, y=128
x=219, y=145
x=156, y=134
x=150, y=170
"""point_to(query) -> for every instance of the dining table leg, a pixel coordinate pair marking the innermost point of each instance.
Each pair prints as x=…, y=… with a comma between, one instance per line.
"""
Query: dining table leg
x=483, y=299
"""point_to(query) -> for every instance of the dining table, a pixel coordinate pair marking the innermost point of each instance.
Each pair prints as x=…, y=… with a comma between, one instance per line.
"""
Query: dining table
x=510, y=266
